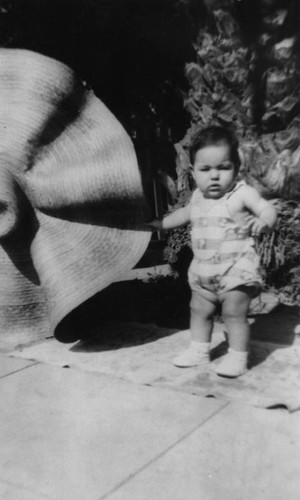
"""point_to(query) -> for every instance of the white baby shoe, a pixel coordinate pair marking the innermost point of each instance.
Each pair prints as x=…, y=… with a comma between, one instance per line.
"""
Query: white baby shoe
x=196, y=354
x=233, y=364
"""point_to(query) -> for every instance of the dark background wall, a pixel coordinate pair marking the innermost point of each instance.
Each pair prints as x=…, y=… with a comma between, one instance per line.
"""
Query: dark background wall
x=133, y=55
x=131, y=52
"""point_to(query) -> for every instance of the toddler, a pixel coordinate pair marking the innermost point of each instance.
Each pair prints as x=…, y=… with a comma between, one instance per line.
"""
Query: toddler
x=225, y=215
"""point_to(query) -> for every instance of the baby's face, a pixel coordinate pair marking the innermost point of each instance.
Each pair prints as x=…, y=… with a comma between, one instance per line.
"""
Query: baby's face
x=213, y=170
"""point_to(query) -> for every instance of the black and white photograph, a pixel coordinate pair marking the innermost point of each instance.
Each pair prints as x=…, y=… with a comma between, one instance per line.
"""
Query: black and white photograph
x=149, y=249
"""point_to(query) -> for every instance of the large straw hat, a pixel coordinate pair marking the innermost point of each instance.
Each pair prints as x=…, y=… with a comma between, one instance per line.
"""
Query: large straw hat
x=71, y=199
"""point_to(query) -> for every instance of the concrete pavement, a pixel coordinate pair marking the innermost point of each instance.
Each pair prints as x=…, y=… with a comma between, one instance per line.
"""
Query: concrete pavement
x=67, y=434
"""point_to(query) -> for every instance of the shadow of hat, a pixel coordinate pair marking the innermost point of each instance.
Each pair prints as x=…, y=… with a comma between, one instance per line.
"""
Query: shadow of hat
x=71, y=199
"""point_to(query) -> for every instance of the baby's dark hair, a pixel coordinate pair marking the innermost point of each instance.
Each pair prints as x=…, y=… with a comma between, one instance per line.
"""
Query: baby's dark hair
x=216, y=135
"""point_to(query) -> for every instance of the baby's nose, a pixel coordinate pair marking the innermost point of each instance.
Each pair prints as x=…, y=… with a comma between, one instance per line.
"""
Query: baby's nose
x=214, y=173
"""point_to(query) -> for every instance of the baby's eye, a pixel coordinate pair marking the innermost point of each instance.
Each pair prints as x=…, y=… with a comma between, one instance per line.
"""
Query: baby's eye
x=225, y=166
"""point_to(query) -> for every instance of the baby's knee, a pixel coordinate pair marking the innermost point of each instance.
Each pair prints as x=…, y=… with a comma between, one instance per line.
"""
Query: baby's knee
x=234, y=311
x=201, y=306
x=229, y=313
x=195, y=304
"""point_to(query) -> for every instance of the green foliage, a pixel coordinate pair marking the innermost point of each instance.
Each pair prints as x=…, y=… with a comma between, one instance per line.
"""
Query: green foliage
x=178, y=239
x=251, y=83
x=279, y=251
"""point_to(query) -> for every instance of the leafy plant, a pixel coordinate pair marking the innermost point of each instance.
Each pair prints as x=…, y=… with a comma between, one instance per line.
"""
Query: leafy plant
x=246, y=76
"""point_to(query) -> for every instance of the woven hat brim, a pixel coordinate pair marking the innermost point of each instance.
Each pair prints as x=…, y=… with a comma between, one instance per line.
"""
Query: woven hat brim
x=77, y=170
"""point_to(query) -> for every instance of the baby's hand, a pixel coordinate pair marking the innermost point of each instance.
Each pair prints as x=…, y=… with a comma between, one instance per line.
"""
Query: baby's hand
x=154, y=225
x=257, y=226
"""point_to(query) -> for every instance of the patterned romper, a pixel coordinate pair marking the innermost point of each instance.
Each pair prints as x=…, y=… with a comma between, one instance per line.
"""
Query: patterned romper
x=224, y=253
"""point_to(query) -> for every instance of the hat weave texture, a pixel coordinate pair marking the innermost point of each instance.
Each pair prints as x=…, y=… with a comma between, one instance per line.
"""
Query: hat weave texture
x=71, y=199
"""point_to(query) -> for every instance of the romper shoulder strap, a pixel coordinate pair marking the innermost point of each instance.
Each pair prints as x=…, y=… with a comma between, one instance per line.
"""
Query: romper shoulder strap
x=235, y=188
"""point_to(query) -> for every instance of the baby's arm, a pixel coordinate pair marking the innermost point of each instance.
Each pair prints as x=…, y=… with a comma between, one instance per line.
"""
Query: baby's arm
x=264, y=212
x=178, y=218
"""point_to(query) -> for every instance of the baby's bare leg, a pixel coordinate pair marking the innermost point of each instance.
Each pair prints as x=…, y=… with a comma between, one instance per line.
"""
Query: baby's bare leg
x=235, y=307
x=203, y=307
x=201, y=324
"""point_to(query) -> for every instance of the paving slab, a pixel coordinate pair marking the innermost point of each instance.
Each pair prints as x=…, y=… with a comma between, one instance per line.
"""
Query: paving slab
x=10, y=365
x=241, y=454
x=12, y=492
x=70, y=435
x=142, y=353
